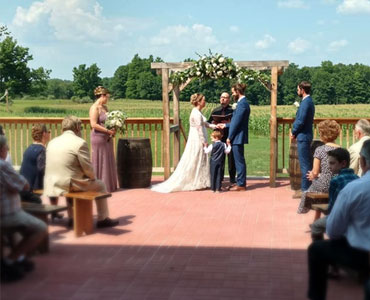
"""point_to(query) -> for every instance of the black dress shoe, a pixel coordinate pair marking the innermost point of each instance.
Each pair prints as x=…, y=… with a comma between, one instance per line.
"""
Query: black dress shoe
x=56, y=216
x=10, y=273
x=107, y=222
x=70, y=223
x=26, y=265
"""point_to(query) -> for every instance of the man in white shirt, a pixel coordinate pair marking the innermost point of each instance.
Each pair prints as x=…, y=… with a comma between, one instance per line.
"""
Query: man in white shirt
x=348, y=227
x=14, y=218
x=362, y=134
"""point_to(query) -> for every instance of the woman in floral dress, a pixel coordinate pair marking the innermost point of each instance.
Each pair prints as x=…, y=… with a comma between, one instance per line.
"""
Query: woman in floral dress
x=320, y=175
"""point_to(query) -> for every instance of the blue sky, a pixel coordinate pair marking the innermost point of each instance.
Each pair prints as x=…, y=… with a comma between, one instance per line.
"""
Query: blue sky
x=62, y=34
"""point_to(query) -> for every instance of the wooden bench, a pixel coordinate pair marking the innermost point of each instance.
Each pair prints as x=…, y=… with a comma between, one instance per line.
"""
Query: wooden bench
x=317, y=198
x=42, y=211
x=82, y=209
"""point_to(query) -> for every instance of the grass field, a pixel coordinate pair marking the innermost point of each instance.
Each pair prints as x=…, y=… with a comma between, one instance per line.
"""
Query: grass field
x=257, y=152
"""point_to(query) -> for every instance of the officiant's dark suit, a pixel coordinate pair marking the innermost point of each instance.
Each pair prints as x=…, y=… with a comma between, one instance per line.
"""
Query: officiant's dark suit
x=225, y=111
x=238, y=134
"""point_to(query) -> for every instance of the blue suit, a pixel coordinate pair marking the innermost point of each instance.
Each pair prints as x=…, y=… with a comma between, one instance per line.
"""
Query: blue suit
x=238, y=135
x=302, y=130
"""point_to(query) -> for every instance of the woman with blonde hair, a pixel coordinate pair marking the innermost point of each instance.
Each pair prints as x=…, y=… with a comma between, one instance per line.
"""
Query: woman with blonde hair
x=192, y=172
x=320, y=175
x=103, y=160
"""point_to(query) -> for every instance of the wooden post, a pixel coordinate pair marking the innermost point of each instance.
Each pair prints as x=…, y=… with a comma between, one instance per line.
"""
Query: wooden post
x=176, y=121
x=273, y=127
x=166, y=124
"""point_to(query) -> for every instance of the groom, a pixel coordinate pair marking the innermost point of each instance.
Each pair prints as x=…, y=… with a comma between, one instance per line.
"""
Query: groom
x=238, y=134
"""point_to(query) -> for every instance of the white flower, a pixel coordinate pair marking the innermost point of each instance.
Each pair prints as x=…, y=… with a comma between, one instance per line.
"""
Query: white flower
x=219, y=73
x=234, y=106
x=198, y=73
x=296, y=104
x=221, y=59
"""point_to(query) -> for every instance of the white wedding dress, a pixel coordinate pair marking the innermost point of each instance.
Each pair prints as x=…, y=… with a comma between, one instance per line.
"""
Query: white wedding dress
x=192, y=172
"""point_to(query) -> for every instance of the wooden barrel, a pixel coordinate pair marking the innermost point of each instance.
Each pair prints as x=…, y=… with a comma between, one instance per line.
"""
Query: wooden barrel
x=134, y=162
x=294, y=168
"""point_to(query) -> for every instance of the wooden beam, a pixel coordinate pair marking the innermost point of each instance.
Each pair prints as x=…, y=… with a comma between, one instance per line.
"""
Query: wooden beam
x=256, y=65
x=273, y=127
x=176, y=122
x=166, y=124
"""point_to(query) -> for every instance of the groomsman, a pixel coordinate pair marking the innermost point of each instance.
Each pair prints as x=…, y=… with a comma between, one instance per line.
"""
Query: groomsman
x=238, y=134
x=302, y=131
x=225, y=111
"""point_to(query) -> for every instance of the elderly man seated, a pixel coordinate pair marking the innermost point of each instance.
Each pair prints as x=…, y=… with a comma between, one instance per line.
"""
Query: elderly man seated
x=14, y=218
x=362, y=134
x=348, y=227
x=69, y=169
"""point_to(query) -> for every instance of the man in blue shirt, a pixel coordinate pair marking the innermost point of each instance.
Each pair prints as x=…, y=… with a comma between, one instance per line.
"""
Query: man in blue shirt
x=302, y=131
x=339, y=164
x=348, y=227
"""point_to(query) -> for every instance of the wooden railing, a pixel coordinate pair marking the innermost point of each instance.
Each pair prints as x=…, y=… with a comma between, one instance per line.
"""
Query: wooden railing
x=18, y=132
x=345, y=139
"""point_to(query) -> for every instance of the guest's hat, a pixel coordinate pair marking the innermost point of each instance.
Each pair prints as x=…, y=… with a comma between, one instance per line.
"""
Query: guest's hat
x=100, y=90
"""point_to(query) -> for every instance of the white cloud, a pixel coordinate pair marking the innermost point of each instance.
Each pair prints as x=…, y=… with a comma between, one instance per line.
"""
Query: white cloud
x=292, y=4
x=184, y=36
x=298, y=46
x=234, y=28
x=72, y=20
x=336, y=45
x=354, y=7
x=265, y=43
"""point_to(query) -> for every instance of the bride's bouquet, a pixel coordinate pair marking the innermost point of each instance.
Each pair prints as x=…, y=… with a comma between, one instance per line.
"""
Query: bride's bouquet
x=116, y=121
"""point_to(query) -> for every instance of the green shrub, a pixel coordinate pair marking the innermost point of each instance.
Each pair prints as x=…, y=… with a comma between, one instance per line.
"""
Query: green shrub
x=44, y=110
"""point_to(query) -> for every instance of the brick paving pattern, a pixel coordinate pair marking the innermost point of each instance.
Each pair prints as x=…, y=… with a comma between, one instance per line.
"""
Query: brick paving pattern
x=185, y=245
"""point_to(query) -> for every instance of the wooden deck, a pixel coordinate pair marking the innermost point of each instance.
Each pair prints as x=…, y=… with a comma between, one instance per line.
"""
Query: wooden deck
x=186, y=245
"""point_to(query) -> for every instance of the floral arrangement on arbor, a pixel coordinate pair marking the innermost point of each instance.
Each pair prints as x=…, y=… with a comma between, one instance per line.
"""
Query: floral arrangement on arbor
x=216, y=66
x=116, y=120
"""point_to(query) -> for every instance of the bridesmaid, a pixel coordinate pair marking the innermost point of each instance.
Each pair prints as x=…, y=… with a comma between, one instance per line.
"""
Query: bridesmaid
x=103, y=159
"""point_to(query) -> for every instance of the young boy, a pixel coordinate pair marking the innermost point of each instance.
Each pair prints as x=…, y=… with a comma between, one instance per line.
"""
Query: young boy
x=339, y=164
x=218, y=150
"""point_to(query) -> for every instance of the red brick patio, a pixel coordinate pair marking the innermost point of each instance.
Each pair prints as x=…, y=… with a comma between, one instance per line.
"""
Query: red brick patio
x=186, y=245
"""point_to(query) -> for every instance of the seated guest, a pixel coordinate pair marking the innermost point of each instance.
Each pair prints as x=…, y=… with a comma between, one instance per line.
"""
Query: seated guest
x=69, y=169
x=338, y=164
x=320, y=175
x=33, y=163
x=14, y=218
x=348, y=227
x=8, y=158
x=362, y=134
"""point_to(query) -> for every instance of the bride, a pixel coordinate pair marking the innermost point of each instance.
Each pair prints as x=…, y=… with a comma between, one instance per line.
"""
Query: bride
x=192, y=172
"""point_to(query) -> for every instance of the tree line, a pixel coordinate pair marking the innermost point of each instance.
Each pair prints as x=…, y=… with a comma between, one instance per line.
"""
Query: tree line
x=331, y=83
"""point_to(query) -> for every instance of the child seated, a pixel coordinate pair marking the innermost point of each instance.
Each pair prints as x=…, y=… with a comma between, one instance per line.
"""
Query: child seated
x=218, y=150
x=339, y=164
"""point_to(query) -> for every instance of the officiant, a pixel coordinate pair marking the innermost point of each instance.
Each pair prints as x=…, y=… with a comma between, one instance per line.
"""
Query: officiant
x=223, y=114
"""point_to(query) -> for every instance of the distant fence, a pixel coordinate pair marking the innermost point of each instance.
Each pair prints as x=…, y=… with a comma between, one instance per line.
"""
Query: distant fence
x=345, y=139
x=18, y=132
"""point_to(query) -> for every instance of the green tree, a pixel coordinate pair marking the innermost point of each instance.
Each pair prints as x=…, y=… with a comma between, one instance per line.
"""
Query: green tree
x=119, y=81
x=59, y=89
x=15, y=75
x=149, y=86
x=39, y=79
x=85, y=80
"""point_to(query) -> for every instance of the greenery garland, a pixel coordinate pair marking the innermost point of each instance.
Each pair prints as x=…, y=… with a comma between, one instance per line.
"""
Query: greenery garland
x=217, y=66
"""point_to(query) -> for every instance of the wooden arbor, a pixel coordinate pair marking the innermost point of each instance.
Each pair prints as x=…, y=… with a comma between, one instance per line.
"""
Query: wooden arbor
x=164, y=69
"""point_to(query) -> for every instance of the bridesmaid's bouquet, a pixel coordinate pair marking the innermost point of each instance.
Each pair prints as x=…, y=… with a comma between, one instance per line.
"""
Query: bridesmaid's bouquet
x=116, y=121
